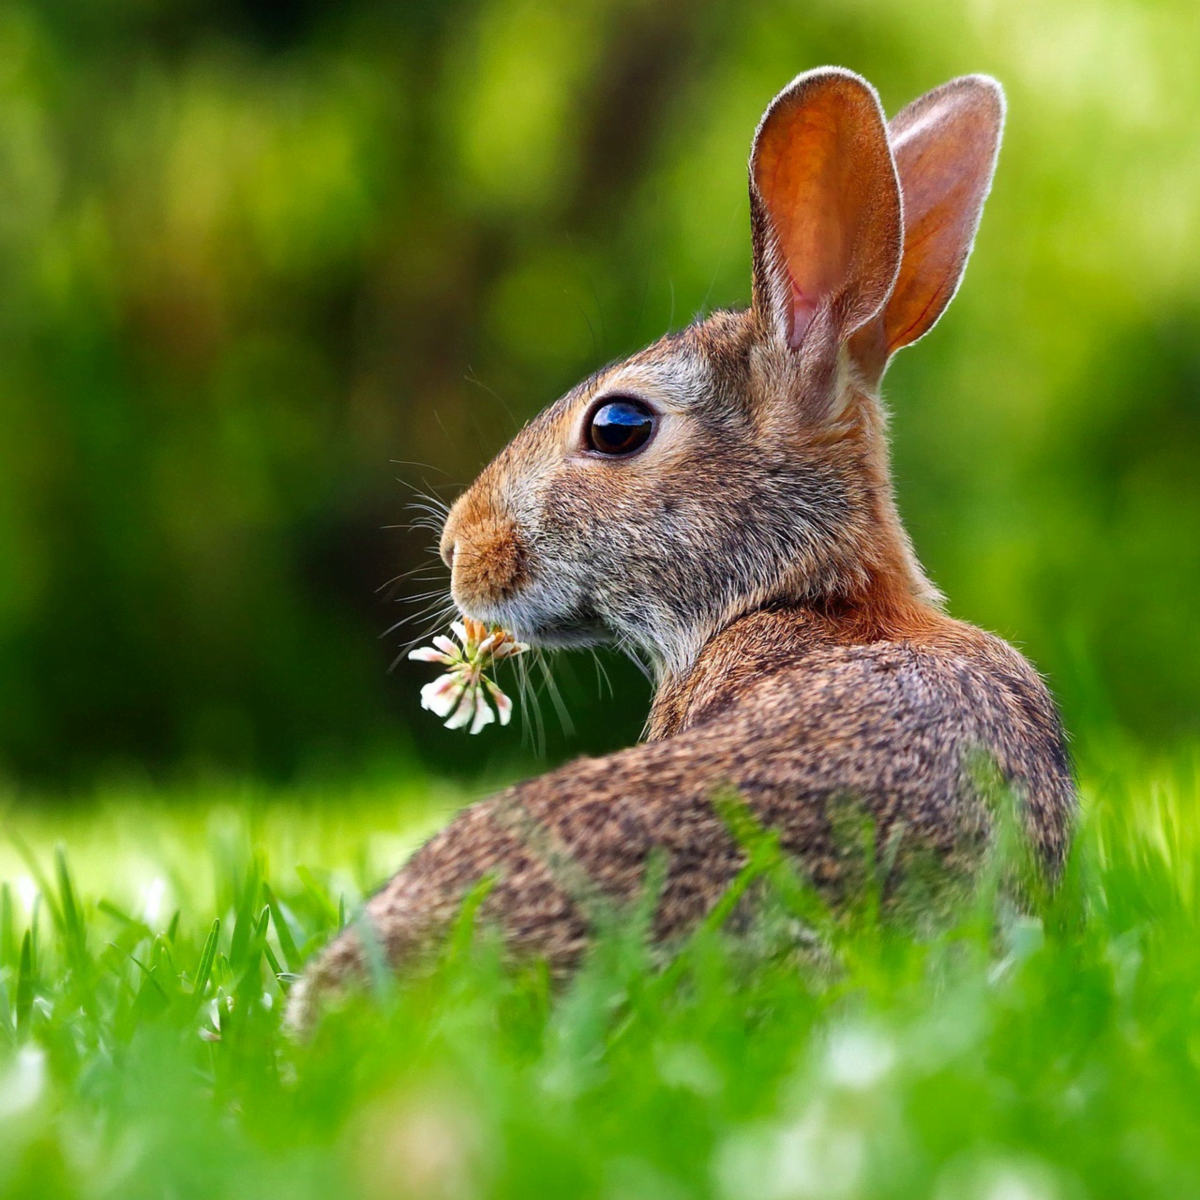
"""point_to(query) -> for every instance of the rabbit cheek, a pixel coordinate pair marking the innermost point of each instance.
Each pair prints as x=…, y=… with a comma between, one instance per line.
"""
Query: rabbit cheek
x=489, y=565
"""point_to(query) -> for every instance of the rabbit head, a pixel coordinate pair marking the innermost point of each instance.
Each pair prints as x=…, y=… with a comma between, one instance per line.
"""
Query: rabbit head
x=743, y=461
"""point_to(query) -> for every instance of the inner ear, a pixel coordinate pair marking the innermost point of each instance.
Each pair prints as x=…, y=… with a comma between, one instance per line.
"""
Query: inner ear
x=945, y=145
x=825, y=208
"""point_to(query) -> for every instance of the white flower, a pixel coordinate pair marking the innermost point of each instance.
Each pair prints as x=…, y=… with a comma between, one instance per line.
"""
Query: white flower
x=461, y=695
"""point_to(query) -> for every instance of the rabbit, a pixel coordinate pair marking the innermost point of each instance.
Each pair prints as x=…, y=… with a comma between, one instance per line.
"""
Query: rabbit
x=722, y=502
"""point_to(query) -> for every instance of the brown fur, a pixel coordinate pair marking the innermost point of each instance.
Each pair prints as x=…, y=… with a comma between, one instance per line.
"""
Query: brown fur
x=753, y=550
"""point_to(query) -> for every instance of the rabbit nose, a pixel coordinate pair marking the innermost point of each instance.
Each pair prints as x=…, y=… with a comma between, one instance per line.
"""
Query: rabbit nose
x=448, y=543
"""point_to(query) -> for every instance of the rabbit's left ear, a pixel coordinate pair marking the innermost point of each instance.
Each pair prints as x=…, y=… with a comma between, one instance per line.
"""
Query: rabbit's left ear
x=945, y=146
x=825, y=211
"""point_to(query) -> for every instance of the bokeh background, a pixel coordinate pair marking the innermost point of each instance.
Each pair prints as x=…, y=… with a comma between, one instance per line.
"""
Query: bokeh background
x=265, y=267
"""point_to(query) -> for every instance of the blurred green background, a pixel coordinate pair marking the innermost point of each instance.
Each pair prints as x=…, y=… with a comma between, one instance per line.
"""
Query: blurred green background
x=264, y=267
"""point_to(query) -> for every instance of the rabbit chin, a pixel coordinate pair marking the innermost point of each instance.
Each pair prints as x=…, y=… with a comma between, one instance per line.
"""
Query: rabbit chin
x=552, y=629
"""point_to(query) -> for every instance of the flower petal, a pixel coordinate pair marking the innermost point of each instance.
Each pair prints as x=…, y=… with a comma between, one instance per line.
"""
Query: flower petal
x=463, y=696
x=442, y=694
x=446, y=646
x=504, y=706
x=429, y=654
x=483, y=712
x=509, y=650
x=465, y=710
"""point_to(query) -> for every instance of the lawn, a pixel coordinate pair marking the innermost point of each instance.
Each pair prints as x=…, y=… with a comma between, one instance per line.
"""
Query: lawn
x=1013, y=1057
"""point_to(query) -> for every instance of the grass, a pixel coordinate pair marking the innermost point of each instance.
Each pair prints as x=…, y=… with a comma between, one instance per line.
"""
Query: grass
x=1009, y=1058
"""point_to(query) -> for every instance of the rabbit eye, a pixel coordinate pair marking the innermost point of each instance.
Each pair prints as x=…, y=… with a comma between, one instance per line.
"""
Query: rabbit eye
x=620, y=427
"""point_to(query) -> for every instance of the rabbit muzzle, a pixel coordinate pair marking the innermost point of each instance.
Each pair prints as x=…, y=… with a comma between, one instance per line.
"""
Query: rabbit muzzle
x=487, y=562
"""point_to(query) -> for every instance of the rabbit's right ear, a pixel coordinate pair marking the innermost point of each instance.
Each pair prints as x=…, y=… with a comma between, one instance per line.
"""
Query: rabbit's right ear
x=824, y=210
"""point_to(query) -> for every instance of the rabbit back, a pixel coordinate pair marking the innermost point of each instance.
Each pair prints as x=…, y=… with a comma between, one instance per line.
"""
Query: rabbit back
x=816, y=735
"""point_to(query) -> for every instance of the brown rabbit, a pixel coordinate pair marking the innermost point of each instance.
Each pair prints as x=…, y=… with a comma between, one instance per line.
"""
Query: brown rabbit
x=722, y=502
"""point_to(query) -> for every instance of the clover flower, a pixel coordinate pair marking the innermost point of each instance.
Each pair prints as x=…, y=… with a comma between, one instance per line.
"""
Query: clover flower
x=461, y=694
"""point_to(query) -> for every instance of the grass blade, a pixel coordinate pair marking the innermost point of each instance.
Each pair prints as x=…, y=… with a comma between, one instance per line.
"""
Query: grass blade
x=8, y=939
x=276, y=968
x=207, y=956
x=35, y=869
x=320, y=896
x=74, y=933
x=283, y=932
x=25, y=985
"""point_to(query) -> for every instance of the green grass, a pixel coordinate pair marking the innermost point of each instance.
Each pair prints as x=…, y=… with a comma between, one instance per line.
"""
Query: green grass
x=1009, y=1058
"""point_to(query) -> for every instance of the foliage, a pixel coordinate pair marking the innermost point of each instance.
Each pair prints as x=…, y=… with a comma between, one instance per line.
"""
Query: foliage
x=251, y=253
x=1048, y=1055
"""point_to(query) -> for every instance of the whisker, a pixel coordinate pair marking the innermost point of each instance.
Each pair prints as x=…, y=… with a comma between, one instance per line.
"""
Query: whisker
x=421, y=615
x=390, y=588
x=602, y=679
x=470, y=377
x=417, y=597
x=424, y=492
x=409, y=574
x=630, y=651
x=533, y=728
x=432, y=521
x=407, y=462
x=429, y=574
x=564, y=717
x=429, y=504
x=438, y=621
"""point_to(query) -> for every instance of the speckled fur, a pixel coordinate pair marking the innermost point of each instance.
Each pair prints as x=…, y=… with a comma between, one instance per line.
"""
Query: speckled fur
x=754, y=551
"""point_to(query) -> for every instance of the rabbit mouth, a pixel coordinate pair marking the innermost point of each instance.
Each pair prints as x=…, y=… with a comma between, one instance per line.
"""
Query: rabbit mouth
x=566, y=636
x=526, y=621
x=562, y=633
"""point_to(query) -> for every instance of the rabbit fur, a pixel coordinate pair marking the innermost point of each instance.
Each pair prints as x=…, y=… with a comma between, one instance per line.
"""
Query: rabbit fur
x=753, y=551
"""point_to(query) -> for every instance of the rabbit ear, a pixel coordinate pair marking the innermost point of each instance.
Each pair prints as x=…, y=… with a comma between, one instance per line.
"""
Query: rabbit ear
x=945, y=145
x=825, y=210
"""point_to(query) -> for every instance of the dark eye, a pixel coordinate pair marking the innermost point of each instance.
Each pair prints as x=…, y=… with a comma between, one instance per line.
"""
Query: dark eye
x=620, y=427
